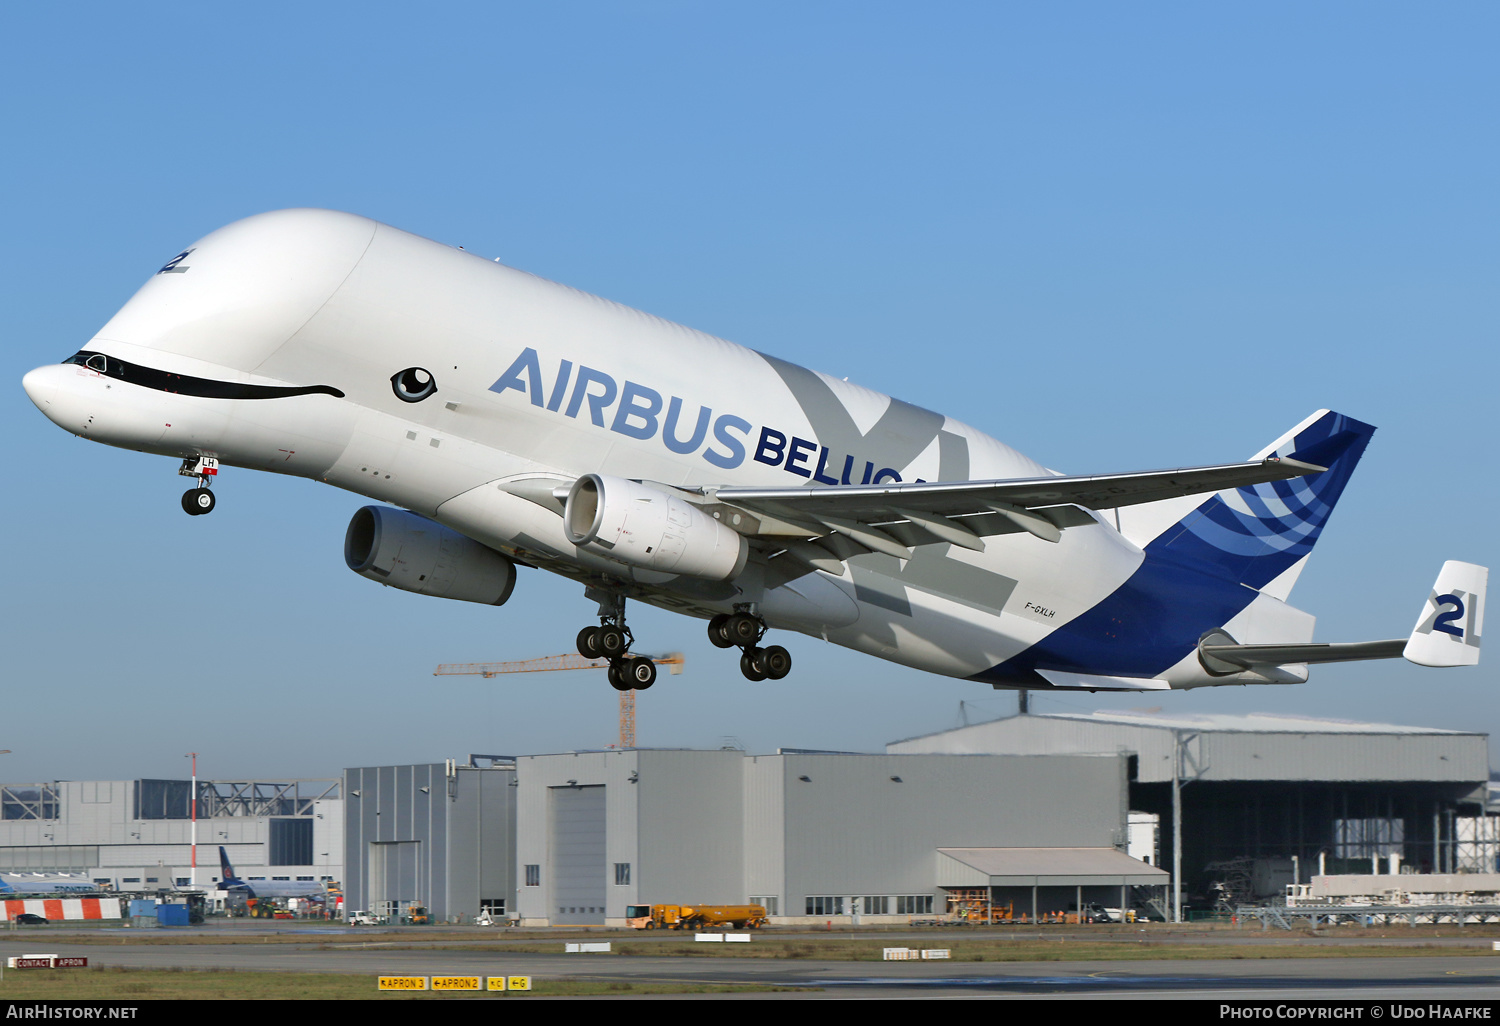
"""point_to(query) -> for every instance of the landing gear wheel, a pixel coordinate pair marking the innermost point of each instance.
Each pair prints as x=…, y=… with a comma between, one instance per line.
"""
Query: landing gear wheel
x=617, y=677
x=748, y=665
x=742, y=629
x=197, y=501
x=588, y=643
x=641, y=673
x=716, y=632
x=612, y=642
x=778, y=662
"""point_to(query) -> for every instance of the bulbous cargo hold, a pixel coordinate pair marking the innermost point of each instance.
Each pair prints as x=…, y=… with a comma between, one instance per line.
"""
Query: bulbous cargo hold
x=644, y=526
x=410, y=552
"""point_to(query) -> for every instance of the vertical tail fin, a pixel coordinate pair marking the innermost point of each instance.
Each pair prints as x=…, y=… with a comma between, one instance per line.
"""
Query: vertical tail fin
x=1256, y=535
x=224, y=865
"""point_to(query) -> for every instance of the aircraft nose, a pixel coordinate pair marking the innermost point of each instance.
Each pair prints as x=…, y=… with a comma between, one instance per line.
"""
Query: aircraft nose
x=55, y=392
x=41, y=385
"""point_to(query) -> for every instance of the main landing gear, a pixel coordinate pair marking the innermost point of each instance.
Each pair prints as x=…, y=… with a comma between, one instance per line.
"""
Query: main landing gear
x=612, y=640
x=745, y=629
x=198, y=501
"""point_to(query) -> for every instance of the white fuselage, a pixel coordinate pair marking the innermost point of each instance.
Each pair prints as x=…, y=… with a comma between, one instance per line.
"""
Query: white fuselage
x=538, y=384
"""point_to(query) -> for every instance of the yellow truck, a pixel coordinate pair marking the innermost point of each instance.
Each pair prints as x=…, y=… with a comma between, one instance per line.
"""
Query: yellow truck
x=694, y=917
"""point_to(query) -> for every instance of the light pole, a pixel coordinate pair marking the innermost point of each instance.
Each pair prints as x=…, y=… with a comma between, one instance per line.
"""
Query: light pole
x=194, y=876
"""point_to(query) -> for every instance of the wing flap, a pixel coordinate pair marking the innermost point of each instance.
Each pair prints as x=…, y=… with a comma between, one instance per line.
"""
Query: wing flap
x=867, y=503
x=893, y=518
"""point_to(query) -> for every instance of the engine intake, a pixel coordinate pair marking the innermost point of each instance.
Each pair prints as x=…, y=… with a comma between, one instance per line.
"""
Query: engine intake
x=644, y=526
x=407, y=551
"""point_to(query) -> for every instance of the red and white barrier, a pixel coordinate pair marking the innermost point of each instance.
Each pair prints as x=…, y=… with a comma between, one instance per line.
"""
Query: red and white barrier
x=54, y=909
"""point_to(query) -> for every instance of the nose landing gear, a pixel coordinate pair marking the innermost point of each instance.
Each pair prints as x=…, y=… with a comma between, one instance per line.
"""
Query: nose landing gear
x=745, y=629
x=612, y=640
x=198, y=501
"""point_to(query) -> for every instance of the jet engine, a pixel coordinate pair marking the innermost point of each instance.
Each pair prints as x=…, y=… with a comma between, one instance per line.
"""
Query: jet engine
x=410, y=552
x=644, y=526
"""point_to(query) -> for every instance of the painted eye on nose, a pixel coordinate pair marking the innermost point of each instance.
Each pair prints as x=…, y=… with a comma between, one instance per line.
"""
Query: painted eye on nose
x=413, y=384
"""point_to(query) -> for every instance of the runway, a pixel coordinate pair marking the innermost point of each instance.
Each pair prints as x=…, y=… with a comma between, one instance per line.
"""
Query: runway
x=1396, y=978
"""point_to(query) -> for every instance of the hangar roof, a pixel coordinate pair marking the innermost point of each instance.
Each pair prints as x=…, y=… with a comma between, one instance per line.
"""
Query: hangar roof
x=1272, y=723
x=1044, y=867
x=1261, y=723
x=1224, y=747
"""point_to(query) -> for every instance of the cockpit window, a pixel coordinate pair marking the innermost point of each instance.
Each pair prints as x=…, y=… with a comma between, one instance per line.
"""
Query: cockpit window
x=98, y=362
x=186, y=384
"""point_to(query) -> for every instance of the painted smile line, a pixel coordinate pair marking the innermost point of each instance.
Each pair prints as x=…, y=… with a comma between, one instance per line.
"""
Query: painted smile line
x=184, y=384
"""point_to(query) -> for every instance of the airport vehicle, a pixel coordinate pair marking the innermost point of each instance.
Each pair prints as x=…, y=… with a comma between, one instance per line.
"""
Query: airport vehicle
x=1095, y=913
x=261, y=889
x=694, y=917
x=511, y=421
x=364, y=919
x=416, y=915
x=30, y=919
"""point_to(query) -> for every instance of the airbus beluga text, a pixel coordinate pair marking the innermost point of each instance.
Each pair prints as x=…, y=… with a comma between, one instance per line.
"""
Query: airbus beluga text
x=508, y=421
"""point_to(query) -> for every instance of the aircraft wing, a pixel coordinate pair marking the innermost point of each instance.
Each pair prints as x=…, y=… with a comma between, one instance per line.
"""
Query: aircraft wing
x=892, y=517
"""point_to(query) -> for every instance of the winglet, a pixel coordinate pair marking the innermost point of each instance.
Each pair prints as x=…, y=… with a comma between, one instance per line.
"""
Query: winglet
x=1447, y=632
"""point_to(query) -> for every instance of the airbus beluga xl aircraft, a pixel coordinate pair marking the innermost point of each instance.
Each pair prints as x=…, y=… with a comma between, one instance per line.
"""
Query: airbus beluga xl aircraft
x=506, y=420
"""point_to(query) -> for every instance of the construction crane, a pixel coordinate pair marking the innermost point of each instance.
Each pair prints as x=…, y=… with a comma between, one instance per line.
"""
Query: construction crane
x=569, y=661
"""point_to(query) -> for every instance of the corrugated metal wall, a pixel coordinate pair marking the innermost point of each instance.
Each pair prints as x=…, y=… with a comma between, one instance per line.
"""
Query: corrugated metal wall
x=765, y=826
x=691, y=827
x=853, y=828
x=460, y=836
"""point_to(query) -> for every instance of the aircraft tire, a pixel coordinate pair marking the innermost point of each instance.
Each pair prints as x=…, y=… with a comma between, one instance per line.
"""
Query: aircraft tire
x=742, y=629
x=617, y=676
x=611, y=642
x=198, y=501
x=748, y=667
x=588, y=642
x=717, y=634
x=640, y=673
x=778, y=662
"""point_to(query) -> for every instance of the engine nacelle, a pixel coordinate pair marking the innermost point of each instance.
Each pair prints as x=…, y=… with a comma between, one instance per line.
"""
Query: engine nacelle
x=409, y=552
x=646, y=527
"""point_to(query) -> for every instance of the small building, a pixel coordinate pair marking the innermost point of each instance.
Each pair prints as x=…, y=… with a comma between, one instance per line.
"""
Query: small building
x=439, y=835
x=818, y=836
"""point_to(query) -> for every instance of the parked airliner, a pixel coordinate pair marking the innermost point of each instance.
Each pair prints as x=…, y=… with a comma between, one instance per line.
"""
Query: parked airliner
x=507, y=421
x=266, y=888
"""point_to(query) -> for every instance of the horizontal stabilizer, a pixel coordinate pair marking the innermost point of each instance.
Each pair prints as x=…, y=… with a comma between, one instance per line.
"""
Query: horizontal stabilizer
x=1244, y=657
x=1447, y=632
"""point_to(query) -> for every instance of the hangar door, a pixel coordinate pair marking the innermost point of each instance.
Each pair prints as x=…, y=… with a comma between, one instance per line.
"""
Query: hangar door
x=394, y=878
x=578, y=888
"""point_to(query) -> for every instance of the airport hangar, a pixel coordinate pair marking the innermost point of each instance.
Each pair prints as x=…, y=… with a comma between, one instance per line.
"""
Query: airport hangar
x=1033, y=807
x=134, y=836
x=1272, y=800
x=1040, y=810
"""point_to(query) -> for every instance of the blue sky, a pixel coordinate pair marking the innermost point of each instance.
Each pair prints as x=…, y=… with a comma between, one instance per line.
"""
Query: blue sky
x=1115, y=236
